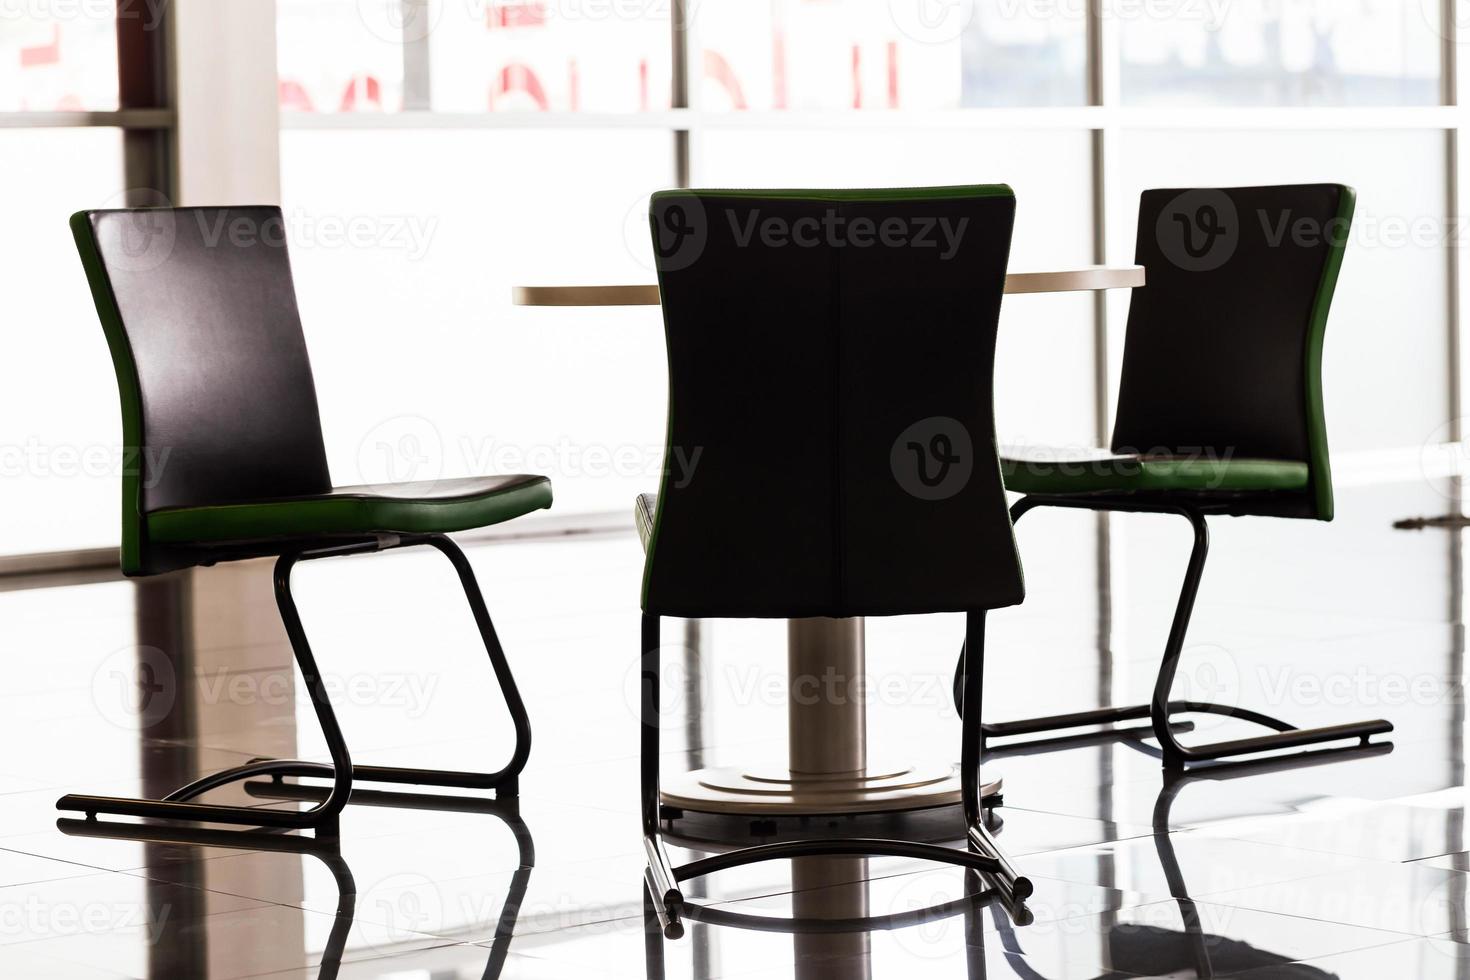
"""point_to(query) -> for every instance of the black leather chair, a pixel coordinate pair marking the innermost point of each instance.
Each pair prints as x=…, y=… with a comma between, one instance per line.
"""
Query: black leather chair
x=830, y=367
x=225, y=460
x=1219, y=410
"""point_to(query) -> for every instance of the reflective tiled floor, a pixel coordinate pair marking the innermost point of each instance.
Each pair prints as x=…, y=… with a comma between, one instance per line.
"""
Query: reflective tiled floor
x=1354, y=867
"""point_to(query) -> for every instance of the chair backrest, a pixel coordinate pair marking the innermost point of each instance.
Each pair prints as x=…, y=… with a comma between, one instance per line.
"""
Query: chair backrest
x=218, y=401
x=831, y=437
x=1223, y=354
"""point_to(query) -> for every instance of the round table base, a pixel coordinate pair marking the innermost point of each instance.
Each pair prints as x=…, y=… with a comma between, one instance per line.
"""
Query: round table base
x=757, y=792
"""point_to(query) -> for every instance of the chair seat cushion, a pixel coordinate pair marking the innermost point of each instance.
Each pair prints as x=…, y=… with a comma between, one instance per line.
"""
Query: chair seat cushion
x=1058, y=471
x=429, y=507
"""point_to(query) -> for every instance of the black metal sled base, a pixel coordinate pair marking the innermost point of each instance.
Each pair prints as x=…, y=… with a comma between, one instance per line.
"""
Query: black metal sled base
x=322, y=817
x=1176, y=755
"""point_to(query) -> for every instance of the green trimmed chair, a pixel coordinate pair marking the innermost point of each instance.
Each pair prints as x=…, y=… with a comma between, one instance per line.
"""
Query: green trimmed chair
x=226, y=461
x=1219, y=410
x=813, y=374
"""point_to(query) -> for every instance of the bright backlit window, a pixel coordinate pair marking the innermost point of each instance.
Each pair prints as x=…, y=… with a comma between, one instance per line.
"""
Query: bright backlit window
x=60, y=57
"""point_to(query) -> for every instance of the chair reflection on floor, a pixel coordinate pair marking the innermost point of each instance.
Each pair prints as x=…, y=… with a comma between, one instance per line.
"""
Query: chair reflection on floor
x=831, y=934
x=178, y=959
x=1135, y=949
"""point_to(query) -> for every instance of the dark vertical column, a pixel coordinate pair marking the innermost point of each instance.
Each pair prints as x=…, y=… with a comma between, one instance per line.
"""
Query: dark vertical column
x=142, y=62
x=679, y=87
x=1455, y=816
x=163, y=624
x=161, y=604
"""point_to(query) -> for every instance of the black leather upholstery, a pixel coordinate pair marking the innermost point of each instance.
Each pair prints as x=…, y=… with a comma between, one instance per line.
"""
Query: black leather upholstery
x=228, y=405
x=220, y=418
x=1217, y=349
x=807, y=384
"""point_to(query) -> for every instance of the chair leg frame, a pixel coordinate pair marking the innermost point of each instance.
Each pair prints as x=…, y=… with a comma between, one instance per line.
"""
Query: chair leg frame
x=662, y=878
x=1175, y=754
x=323, y=817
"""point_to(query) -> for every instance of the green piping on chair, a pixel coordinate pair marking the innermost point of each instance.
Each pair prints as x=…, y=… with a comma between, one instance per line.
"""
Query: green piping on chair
x=347, y=513
x=131, y=553
x=1321, y=467
x=1159, y=474
x=848, y=195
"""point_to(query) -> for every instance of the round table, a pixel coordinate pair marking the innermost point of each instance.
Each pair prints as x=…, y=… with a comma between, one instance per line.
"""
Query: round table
x=828, y=771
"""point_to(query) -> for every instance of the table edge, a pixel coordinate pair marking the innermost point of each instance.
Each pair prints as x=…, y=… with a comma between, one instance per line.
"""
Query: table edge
x=1088, y=278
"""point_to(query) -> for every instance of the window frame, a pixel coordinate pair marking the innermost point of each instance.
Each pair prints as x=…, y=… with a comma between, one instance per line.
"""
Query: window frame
x=148, y=117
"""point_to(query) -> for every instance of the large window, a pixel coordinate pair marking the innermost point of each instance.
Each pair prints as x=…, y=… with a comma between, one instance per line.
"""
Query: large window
x=520, y=138
x=904, y=54
x=1390, y=327
x=59, y=57
x=80, y=114
x=1282, y=52
x=423, y=367
x=473, y=55
x=436, y=152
